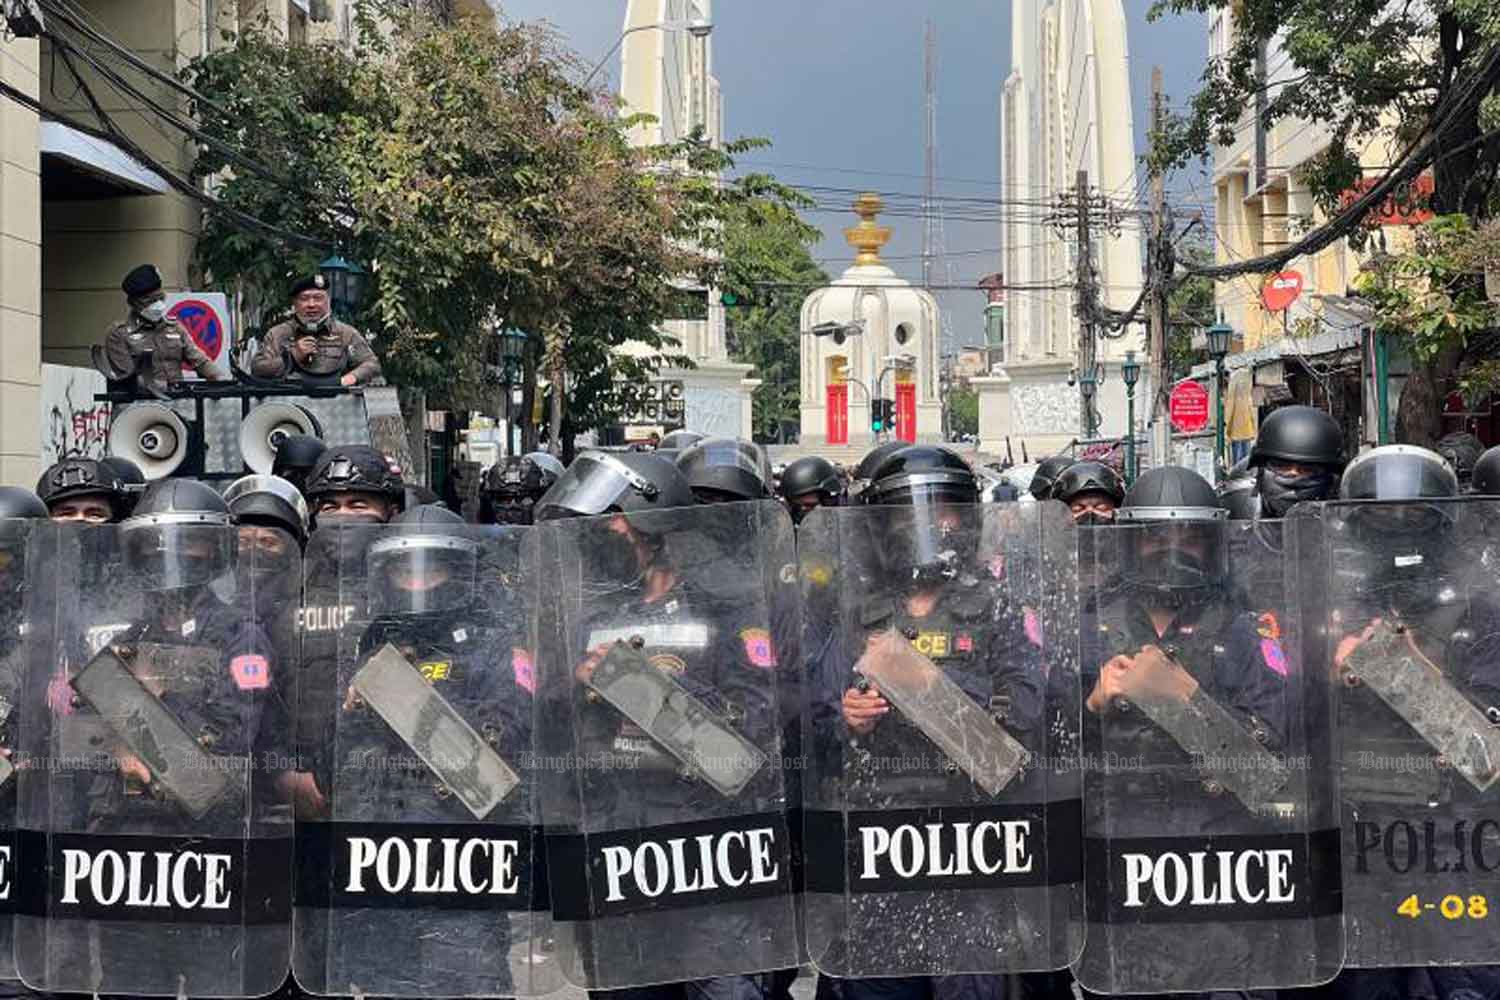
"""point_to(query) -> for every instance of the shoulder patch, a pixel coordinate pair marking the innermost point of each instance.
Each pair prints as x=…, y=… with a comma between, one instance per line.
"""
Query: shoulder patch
x=251, y=672
x=1275, y=657
x=758, y=647
x=524, y=668
x=1267, y=625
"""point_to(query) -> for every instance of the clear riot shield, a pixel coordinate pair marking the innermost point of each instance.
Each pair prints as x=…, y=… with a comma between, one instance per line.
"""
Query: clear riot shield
x=663, y=742
x=418, y=866
x=1410, y=622
x=941, y=800
x=15, y=628
x=1211, y=844
x=154, y=838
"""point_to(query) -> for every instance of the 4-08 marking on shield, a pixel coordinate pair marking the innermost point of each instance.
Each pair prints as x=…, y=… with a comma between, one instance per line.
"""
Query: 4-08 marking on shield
x=1452, y=907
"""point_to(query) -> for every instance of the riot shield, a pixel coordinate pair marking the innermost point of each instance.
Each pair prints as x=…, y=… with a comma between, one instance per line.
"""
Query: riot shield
x=941, y=831
x=15, y=629
x=1211, y=850
x=154, y=837
x=664, y=743
x=418, y=872
x=1410, y=625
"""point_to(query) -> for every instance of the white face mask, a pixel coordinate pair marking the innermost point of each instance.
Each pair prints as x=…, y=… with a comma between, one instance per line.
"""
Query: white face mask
x=154, y=312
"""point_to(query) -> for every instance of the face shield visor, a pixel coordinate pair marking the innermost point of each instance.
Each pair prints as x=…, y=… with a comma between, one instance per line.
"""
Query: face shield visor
x=178, y=550
x=933, y=533
x=421, y=575
x=1175, y=555
x=725, y=471
x=593, y=484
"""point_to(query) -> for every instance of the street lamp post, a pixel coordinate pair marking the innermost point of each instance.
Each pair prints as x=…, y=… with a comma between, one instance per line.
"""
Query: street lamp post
x=698, y=28
x=1218, y=348
x=513, y=344
x=346, y=285
x=1130, y=374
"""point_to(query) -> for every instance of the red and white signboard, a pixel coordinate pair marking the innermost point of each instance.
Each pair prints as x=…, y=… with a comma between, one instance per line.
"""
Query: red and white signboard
x=1188, y=406
x=205, y=316
x=1281, y=290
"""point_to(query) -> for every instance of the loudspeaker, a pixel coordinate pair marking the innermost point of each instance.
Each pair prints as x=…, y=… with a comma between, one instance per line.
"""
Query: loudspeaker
x=151, y=436
x=266, y=427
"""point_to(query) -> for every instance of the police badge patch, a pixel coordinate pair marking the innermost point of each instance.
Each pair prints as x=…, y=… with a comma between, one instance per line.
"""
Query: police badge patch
x=758, y=647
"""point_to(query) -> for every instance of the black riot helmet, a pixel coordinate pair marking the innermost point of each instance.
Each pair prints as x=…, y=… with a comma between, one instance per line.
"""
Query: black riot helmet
x=938, y=539
x=1172, y=538
x=1082, y=478
x=1046, y=475
x=17, y=506
x=724, y=470
x=1296, y=435
x=359, y=469
x=511, y=487
x=131, y=477
x=178, y=537
x=424, y=562
x=1460, y=450
x=295, y=457
x=810, y=481
x=600, y=482
x=865, y=470
x=80, y=477
x=679, y=440
x=270, y=502
x=1405, y=542
x=1486, y=478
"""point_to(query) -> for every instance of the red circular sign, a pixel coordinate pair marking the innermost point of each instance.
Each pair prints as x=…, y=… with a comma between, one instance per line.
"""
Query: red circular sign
x=1188, y=406
x=1281, y=290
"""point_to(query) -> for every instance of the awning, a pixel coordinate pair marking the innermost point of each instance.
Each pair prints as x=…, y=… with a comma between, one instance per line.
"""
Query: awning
x=77, y=164
x=1329, y=341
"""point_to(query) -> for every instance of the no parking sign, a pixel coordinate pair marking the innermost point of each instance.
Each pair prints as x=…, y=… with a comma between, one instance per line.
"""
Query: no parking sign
x=205, y=316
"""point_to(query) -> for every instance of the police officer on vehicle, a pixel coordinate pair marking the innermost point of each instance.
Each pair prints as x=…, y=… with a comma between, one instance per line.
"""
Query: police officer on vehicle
x=296, y=456
x=1046, y=475
x=83, y=489
x=151, y=341
x=692, y=623
x=923, y=584
x=1092, y=491
x=313, y=343
x=512, y=486
x=808, y=483
x=1297, y=455
x=354, y=484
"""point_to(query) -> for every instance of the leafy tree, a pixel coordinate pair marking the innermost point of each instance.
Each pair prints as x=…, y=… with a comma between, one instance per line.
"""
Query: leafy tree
x=963, y=411
x=768, y=271
x=464, y=164
x=1367, y=71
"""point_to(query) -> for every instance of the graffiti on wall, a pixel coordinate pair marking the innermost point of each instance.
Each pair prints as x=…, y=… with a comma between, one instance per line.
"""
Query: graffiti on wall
x=72, y=423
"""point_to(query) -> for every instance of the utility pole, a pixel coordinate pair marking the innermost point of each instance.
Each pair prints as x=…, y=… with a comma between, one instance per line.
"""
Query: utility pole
x=1158, y=278
x=929, y=142
x=1084, y=306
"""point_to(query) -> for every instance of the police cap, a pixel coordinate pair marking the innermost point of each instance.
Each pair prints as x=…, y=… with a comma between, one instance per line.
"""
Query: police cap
x=308, y=283
x=142, y=280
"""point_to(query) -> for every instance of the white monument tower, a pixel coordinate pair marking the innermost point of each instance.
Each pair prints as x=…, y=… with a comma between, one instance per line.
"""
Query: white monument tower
x=874, y=336
x=666, y=71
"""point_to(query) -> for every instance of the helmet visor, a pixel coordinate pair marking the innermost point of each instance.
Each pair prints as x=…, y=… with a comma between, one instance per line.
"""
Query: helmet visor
x=175, y=552
x=592, y=485
x=1173, y=556
x=1396, y=476
x=421, y=574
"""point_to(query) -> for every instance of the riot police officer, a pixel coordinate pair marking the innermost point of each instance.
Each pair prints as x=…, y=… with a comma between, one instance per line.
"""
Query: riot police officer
x=810, y=482
x=1460, y=450
x=677, y=442
x=354, y=484
x=151, y=338
x=928, y=581
x=1297, y=455
x=1485, y=480
x=313, y=343
x=1046, y=475
x=1184, y=693
x=296, y=456
x=1092, y=491
x=699, y=626
x=83, y=489
x=720, y=470
x=512, y=486
x=867, y=465
x=1405, y=598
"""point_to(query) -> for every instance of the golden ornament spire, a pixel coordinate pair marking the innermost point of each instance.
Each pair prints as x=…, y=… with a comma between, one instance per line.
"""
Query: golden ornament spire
x=867, y=237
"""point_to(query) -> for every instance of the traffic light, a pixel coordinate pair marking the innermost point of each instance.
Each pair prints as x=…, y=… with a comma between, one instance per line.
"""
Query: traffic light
x=882, y=415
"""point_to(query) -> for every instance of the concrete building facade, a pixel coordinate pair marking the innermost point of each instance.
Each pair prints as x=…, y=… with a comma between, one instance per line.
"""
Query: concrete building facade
x=20, y=269
x=1065, y=107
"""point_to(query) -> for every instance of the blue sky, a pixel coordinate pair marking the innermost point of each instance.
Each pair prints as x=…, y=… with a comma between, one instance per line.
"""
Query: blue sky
x=836, y=85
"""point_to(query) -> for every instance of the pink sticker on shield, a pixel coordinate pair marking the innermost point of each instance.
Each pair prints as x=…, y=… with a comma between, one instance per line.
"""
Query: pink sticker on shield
x=1033, y=627
x=251, y=672
x=758, y=647
x=1271, y=652
x=523, y=667
x=60, y=694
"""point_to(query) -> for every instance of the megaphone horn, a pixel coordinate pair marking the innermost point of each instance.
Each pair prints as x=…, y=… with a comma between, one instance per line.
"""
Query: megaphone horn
x=266, y=427
x=152, y=436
